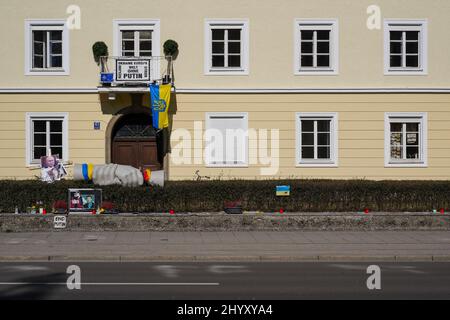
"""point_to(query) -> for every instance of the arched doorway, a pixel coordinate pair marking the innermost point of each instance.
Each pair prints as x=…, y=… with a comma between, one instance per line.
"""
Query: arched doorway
x=134, y=142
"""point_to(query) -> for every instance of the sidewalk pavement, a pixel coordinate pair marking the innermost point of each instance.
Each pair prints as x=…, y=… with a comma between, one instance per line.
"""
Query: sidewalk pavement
x=226, y=246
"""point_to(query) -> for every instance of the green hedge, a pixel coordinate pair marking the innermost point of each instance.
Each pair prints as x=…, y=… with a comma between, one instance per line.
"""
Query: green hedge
x=193, y=196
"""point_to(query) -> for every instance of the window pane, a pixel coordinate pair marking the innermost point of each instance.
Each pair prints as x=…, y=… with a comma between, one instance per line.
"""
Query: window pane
x=218, y=61
x=38, y=62
x=234, y=61
x=412, y=61
x=307, y=126
x=127, y=34
x=396, y=139
x=412, y=35
x=396, y=35
x=218, y=47
x=412, y=47
x=38, y=48
x=40, y=139
x=56, y=48
x=396, y=47
x=145, y=53
x=323, y=35
x=55, y=35
x=56, y=61
x=218, y=34
x=397, y=152
x=323, y=61
x=323, y=47
x=412, y=153
x=396, y=127
x=414, y=127
x=323, y=139
x=145, y=35
x=58, y=151
x=145, y=45
x=128, y=53
x=56, y=126
x=323, y=125
x=412, y=139
x=38, y=36
x=234, y=47
x=307, y=34
x=39, y=152
x=306, y=61
x=234, y=34
x=306, y=47
x=127, y=45
x=396, y=61
x=56, y=139
x=307, y=139
x=307, y=152
x=39, y=126
x=323, y=153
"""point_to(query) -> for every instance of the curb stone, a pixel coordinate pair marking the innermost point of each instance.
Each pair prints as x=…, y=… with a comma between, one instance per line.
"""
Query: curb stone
x=323, y=258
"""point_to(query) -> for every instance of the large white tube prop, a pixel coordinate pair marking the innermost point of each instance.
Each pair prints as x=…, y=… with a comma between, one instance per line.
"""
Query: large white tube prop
x=109, y=174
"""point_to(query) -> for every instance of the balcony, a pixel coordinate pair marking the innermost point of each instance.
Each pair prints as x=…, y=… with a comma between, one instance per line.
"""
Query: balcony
x=134, y=73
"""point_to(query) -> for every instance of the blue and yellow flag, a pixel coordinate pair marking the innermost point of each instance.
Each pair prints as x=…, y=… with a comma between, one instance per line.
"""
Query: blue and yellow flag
x=160, y=100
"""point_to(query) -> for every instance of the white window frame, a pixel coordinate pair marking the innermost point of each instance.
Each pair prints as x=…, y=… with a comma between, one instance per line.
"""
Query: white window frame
x=29, y=118
x=420, y=25
x=242, y=24
x=422, y=118
x=208, y=126
x=47, y=25
x=333, y=161
x=140, y=24
x=317, y=24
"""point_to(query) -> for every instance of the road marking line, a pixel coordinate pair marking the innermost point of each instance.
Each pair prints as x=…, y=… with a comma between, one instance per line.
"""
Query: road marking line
x=112, y=284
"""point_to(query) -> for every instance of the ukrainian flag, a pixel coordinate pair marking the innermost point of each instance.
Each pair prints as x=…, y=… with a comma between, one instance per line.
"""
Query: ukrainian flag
x=160, y=100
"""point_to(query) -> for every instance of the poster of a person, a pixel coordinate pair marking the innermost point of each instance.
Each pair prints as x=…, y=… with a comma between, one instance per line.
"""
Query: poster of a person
x=52, y=169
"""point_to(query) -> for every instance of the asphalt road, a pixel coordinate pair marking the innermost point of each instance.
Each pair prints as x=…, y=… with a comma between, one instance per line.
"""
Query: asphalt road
x=217, y=281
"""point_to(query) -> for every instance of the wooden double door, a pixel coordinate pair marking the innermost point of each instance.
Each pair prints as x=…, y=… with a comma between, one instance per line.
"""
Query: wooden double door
x=134, y=142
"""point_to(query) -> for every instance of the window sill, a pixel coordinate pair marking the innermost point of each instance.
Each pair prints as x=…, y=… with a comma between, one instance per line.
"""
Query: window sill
x=317, y=165
x=405, y=72
x=47, y=73
x=316, y=72
x=406, y=165
x=226, y=72
x=243, y=165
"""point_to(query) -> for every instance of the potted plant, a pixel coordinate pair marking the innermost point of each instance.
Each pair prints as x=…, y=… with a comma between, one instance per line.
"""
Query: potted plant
x=170, y=52
x=100, y=52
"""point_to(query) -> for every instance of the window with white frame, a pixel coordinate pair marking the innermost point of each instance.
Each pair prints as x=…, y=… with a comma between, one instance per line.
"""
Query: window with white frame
x=405, y=47
x=316, y=46
x=316, y=136
x=136, y=38
x=226, y=47
x=406, y=139
x=46, y=132
x=226, y=139
x=47, y=47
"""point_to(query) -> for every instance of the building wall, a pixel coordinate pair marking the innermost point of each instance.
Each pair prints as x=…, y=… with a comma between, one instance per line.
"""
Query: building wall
x=271, y=27
x=361, y=130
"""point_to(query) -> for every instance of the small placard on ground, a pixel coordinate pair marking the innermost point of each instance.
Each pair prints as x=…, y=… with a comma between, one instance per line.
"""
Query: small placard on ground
x=60, y=222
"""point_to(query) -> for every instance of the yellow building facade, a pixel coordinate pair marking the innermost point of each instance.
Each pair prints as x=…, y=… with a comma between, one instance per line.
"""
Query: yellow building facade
x=336, y=89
